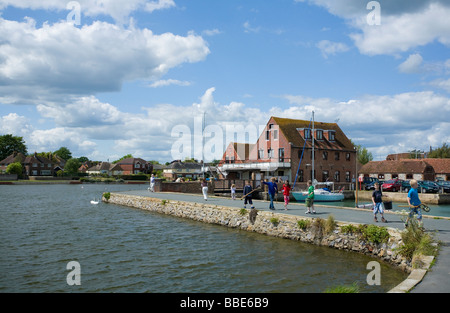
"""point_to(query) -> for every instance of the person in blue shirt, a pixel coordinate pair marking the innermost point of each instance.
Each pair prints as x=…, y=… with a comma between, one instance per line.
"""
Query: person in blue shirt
x=273, y=189
x=414, y=202
x=248, y=194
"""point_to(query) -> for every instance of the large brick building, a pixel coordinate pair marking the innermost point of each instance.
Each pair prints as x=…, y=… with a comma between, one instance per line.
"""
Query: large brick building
x=279, y=148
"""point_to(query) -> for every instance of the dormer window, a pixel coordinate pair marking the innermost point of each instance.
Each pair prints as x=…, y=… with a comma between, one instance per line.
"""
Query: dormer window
x=307, y=133
x=319, y=134
x=331, y=135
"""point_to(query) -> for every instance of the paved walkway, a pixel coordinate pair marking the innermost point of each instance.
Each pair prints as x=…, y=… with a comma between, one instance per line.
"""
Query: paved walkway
x=437, y=280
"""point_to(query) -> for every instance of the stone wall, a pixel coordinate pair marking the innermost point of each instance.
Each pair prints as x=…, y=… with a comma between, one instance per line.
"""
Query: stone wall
x=269, y=223
x=429, y=198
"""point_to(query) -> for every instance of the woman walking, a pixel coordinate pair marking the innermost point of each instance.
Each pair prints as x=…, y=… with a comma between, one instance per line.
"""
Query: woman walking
x=205, y=189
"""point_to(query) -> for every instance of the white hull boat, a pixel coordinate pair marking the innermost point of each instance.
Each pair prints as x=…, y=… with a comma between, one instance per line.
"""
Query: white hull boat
x=320, y=195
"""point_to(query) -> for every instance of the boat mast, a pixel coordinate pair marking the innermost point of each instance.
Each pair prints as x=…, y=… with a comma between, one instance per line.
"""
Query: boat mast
x=312, y=134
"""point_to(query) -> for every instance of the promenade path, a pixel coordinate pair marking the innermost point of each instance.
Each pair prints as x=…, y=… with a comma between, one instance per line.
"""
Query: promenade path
x=437, y=280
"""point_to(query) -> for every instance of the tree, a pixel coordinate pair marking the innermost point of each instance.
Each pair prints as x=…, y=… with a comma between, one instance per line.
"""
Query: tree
x=63, y=153
x=14, y=168
x=83, y=159
x=10, y=144
x=123, y=158
x=364, y=156
x=72, y=166
x=442, y=152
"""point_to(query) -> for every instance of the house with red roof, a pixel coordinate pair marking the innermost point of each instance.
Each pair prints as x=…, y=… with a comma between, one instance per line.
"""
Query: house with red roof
x=283, y=143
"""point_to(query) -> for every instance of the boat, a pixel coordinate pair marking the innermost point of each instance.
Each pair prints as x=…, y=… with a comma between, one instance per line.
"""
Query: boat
x=320, y=195
x=94, y=201
x=366, y=206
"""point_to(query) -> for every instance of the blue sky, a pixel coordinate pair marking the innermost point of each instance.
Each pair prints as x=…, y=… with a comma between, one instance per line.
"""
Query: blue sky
x=133, y=71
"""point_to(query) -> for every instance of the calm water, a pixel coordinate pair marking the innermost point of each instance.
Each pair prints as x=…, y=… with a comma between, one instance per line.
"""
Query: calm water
x=120, y=249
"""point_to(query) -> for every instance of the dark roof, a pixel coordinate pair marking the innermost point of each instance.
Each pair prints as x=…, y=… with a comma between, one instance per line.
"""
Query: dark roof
x=130, y=161
x=184, y=165
x=36, y=159
x=290, y=129
x=441, y=166
x=13, y=158
x=398, y=166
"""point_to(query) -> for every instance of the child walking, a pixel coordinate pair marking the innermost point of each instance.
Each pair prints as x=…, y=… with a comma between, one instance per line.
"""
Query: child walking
x=248, y=194
x=414, y=203
x=378, y=203
x=310, y=199
x=286, y=193
x=233, y=192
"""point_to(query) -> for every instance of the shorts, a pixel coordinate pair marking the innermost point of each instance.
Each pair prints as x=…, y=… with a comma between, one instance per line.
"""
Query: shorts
x=415, y=210
x=286, y=200
x=309, y=202
x=378, y=208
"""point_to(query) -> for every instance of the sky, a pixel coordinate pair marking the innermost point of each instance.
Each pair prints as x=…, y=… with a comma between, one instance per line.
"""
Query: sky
x=107, y=78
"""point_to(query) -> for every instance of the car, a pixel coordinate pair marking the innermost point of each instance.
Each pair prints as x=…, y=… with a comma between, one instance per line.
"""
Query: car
x=406, y=185
x=392, y=185
x=428, y=186
x=370, y=184
x=445, y=185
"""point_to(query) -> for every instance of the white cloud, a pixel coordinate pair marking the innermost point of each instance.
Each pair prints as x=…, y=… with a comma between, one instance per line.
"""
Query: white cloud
x=405, y=24
x=250, y=29
x=15, y=124
x=168, y=82
x=211, y=32
x=385, y=124
x=60, y=59
x=83, y=111
x=441, y=83
x=331, y=48
x=119, y=10
x=412, y=64
x=53, y=139
x=405, y=31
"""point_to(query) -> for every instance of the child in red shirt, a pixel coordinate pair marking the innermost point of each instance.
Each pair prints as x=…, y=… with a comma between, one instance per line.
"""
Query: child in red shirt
x=286, y=191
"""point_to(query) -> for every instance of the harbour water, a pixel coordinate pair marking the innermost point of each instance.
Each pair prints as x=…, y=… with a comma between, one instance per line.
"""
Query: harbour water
x=121, y=249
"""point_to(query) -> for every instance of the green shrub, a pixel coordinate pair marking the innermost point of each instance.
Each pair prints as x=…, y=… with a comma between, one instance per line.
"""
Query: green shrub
x=106, y=195
x=242, y=212
x=275, y=221
x=330, y=224
x=304, y=224
x=416, y=241
x=354, y=288
x=373, y=233
x=349, y=229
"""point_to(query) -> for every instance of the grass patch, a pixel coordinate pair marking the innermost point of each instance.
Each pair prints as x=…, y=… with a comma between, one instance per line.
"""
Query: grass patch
x=353, y=288
x=275, y=221
x=303, y=224
x=373, y=233
x=416, y=242
x=242, y=212
x=107, y=195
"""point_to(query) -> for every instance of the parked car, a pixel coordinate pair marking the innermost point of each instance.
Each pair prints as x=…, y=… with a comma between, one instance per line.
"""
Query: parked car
x=392, y=185
x=406, y=185
x=428, y=186
x=444, y=184
x=370, y=184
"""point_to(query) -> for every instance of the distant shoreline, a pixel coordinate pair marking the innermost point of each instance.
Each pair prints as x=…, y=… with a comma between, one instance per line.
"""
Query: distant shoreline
x=72, y=182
